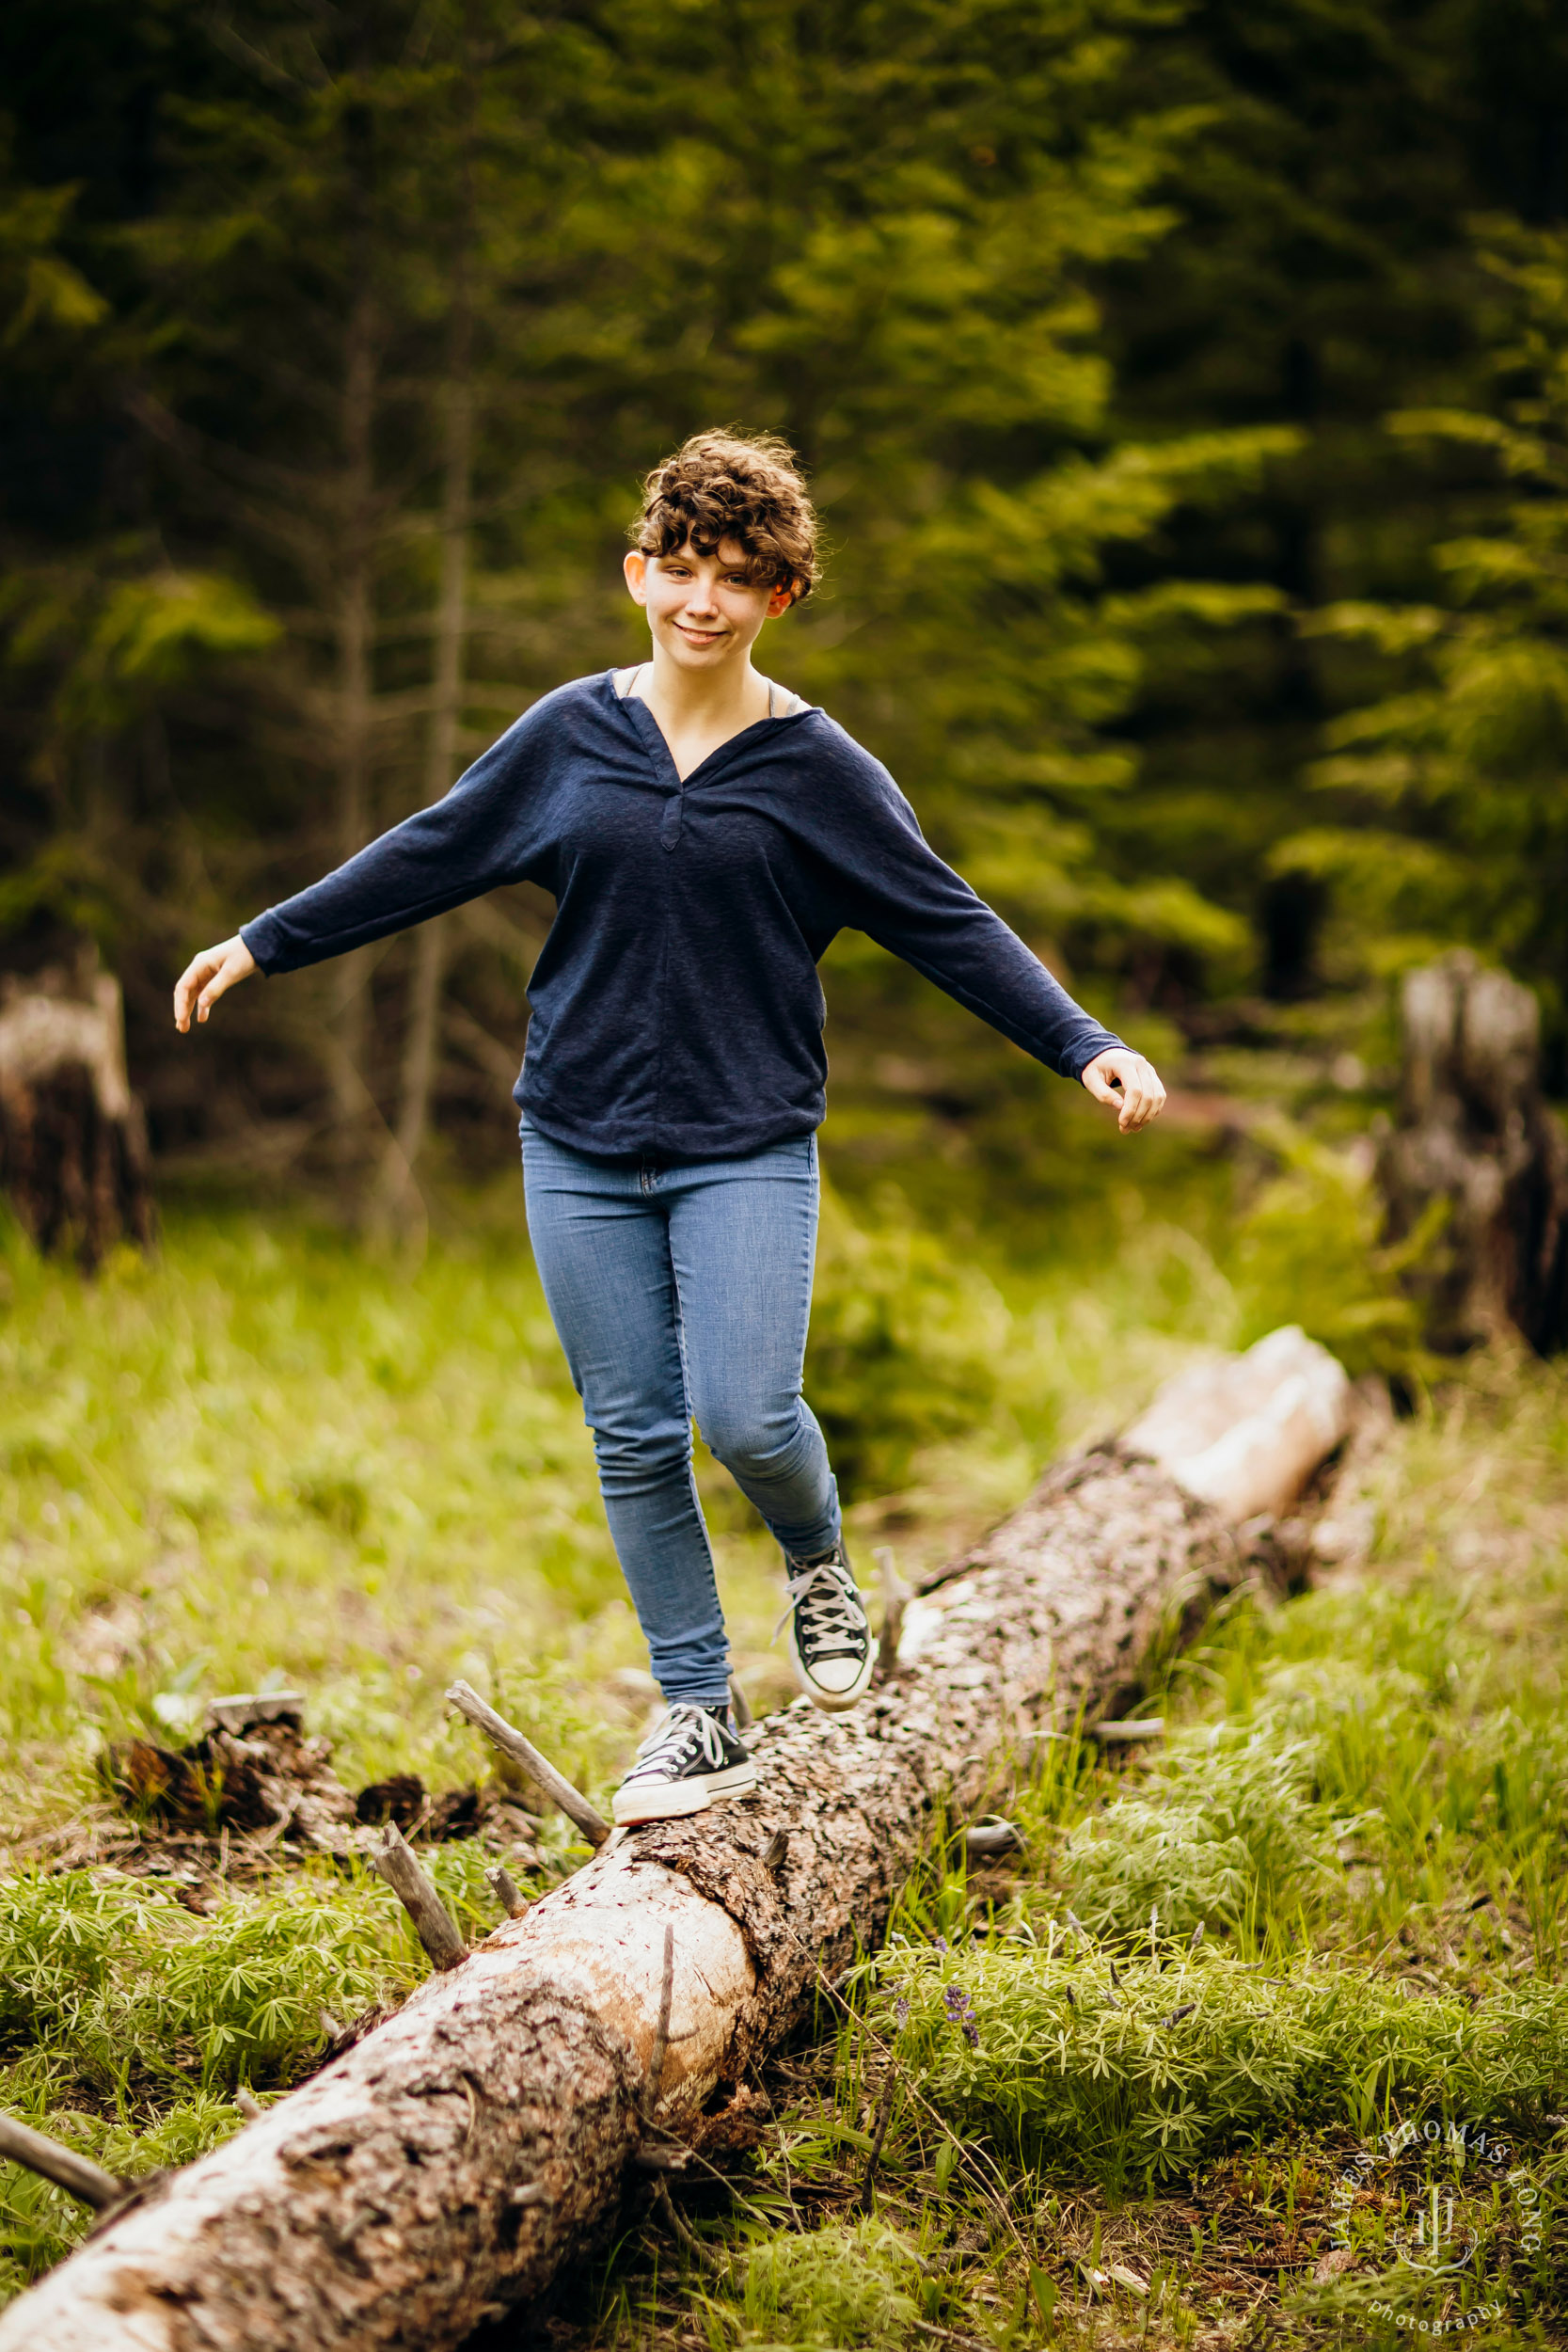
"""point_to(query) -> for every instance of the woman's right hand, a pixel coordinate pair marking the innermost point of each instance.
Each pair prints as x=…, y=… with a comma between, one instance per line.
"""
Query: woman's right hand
x=207, y=976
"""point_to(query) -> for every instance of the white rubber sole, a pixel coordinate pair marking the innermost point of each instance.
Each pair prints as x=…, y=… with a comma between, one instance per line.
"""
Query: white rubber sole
x=835, y=1702
x=673, y=1800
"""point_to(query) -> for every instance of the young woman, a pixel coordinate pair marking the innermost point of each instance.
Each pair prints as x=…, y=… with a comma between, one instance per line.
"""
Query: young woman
x=705, y=834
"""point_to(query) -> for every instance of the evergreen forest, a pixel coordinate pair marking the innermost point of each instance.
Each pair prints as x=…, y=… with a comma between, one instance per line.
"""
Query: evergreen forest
x=1184, y=387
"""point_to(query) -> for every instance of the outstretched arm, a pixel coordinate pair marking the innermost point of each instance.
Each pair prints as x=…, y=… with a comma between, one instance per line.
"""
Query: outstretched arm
x=484, y=831
x=898, y=891
x=207, y=976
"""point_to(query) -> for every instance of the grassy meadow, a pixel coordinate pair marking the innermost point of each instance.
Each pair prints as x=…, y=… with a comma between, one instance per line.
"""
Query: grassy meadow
x=1124, y=2081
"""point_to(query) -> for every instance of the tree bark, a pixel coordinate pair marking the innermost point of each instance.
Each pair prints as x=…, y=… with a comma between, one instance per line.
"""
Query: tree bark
x=443, y=2169
x=1476, y=1145
x=73, y=1159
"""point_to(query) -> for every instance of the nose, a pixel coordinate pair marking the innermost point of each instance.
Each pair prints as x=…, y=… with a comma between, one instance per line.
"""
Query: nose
x=701, y=598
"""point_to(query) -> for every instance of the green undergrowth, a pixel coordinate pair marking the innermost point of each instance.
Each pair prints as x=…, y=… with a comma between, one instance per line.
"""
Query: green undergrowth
x=127, y=2022
x=1135, y=2074
x=269, y=1457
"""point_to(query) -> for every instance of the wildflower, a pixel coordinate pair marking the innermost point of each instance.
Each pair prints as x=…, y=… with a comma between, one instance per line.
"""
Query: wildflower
x=960, y=2012
x=901, y=2010
x=941, y=1943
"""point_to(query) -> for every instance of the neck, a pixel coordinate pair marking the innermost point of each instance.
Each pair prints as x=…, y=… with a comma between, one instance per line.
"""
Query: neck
x=725, y=697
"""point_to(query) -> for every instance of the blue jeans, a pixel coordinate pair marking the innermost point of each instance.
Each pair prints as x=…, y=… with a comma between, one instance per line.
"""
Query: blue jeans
x=683, y=1293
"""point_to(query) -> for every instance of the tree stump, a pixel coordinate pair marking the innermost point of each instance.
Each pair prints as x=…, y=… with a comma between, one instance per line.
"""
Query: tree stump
x=73, y=1157
x=1475, y=1137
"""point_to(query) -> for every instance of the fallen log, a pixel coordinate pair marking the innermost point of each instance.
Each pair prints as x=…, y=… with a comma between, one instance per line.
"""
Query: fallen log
x=443, y=2169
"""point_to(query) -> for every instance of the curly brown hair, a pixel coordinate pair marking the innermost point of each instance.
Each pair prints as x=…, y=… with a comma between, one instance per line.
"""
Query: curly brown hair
x=746, y=486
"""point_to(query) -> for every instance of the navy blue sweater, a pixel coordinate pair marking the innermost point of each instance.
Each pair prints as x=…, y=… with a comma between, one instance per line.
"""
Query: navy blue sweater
x=677, y=1012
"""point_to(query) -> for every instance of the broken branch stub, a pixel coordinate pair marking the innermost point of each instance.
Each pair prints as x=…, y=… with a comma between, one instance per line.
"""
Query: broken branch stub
x=433, y=1922
x=385, y=2202
x=502, y=1885
x=539, y=1769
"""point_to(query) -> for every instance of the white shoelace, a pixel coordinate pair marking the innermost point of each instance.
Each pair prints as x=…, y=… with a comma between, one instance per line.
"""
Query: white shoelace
x=670, y=1736
x=830, y=1607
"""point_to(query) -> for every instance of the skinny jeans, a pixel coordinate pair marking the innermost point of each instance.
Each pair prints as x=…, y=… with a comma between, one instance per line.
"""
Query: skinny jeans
x=682, y=1294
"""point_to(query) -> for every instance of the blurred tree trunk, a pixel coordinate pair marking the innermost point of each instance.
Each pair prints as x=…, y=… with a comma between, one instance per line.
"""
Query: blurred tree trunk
x=357, y=526
x=1477, y=1152
x=397, y=1187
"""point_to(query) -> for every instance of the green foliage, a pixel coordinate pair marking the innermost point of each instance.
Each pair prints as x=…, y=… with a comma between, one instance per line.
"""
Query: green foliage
x=1309, y=1250
x=905, y=1346
x=1224, y=1830
x=843, y=2284
x=124, y=2020
x=1454, y=820
x=1144, y=2077
x=112, y=1982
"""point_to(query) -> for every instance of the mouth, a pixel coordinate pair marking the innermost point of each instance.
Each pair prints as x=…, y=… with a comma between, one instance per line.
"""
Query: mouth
x=700, y=636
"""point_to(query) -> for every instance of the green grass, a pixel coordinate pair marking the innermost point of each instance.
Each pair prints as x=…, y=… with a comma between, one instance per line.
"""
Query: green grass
x=269, y=1456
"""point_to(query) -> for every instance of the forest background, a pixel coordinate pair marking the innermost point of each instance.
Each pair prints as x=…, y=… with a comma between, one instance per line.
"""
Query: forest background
x=1186, y=390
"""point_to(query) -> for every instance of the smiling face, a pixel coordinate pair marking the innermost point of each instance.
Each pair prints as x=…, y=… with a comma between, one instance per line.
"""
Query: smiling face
x=705, y=611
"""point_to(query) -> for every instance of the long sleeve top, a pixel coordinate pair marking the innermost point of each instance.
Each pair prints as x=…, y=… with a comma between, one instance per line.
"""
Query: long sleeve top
x=676, y=1009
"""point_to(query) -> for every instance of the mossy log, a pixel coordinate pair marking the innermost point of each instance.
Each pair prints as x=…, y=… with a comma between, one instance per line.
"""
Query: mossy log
x=443, y=2169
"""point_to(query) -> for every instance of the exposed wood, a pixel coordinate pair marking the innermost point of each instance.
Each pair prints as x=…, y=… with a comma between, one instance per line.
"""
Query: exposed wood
x=540, y=1770
x=453, y=2160
x=73, y=1159
x=1246, y=1432
x=1475, y=1147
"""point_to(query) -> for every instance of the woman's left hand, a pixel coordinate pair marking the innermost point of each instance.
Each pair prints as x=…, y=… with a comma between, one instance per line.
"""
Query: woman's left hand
x=1125, y=1083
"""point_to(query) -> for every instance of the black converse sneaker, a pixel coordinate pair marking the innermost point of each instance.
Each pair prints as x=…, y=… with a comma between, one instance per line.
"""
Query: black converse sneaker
x=831, y=1647
x=691, y=1756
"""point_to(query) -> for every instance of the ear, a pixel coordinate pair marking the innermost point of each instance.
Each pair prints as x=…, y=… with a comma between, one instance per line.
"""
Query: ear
x=636, y=570
x=781, y=599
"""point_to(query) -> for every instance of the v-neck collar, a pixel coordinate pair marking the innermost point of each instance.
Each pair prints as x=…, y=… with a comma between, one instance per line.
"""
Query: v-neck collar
x=658, y=745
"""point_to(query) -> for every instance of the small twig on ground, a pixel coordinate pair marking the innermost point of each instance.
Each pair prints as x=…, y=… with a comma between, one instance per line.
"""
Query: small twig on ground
x=946, y=2335
x=665, y=2204
x=884, y=2111
x=1131, y=1731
